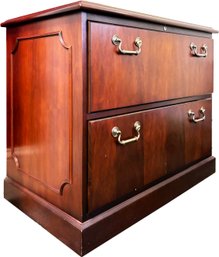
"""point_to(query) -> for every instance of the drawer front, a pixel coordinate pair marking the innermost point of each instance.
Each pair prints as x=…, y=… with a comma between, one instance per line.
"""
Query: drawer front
x=169, y=141
x=164, y=69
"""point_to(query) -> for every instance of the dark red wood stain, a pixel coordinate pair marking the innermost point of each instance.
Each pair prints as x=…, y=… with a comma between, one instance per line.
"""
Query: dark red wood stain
x=67, y=87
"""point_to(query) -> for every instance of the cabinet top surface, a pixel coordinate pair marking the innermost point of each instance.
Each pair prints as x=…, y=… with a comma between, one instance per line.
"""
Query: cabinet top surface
x=102, y=9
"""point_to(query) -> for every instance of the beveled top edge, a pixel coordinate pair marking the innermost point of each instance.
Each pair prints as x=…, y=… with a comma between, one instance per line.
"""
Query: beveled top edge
x=99, y=8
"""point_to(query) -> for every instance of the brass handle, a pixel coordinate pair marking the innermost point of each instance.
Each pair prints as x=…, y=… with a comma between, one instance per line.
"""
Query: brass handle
x=192, y=117
x=116, y=132
x=194, y=50
x=118, y=42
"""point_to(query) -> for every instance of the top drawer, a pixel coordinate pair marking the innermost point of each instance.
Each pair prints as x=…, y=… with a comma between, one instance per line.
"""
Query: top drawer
x=166, y=67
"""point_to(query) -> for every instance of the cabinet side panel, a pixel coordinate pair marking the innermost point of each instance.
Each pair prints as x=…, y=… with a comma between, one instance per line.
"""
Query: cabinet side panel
x=45, y=110
x=41, y=109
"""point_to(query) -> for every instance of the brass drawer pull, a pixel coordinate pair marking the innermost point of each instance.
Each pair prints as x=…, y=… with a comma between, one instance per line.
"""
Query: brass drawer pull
x=194, y=51
x=118, y=42
x=116, y=132
x=192, y=117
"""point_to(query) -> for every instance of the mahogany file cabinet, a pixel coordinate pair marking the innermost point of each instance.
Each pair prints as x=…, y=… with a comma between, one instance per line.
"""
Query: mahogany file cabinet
x=108, y=117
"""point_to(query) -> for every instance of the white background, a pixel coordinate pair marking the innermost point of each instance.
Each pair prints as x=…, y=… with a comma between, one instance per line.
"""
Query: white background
x=188, y=226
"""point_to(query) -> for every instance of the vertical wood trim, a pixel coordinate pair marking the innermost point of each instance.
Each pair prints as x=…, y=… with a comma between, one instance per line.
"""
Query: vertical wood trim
x=85, y=70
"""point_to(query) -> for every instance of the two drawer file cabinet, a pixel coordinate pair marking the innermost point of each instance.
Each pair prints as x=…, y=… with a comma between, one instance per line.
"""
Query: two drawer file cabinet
x=108, y=117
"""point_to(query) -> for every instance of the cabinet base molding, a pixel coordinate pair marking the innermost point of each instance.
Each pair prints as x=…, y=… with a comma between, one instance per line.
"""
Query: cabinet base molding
x=84, y=237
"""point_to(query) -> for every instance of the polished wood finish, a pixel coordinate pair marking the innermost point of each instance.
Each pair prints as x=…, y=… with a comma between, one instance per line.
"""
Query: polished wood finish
x=129, y=212
x=169, y=142
x=45, y=86
x=56, y=221
x=80, y=236
x=146, y=24
x=67, y=87
x=147, y=106
x=36, y=145
x=103, y=9
x=165, y=68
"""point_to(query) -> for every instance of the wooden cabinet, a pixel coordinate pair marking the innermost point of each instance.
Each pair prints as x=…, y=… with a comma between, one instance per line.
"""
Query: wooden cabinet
x=108, y=117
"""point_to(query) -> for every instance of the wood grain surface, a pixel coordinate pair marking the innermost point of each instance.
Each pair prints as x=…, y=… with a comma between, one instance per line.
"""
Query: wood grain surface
x=165, y=68
x=169, y=142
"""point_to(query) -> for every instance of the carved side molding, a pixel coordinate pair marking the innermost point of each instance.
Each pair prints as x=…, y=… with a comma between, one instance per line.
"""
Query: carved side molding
x=12, y=156
x=51, y=34
x=17, y=155
x=16, y=161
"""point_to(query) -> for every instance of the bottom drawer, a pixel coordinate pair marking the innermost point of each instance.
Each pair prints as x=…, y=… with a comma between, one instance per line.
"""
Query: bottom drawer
x=144, y=147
